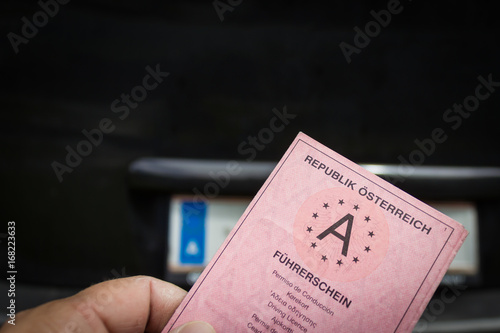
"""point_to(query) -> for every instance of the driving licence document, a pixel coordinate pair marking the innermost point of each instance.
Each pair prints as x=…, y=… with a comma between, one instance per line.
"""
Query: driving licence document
x=324, y=246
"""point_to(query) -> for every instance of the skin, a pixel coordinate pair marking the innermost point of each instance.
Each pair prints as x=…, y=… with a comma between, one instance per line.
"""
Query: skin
x=129, y=305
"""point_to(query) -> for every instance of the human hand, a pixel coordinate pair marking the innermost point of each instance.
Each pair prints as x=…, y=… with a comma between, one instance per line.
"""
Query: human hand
x=134, y=304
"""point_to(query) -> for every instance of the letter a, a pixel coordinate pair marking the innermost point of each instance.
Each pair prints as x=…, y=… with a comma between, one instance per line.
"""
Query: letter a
x=221, y=8
x=60, y=169
x=344, y=238
x=348, y=50
x=16, y=40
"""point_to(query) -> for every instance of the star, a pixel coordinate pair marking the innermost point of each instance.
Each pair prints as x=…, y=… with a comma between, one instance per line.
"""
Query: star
x=341, y=202
x=339, y=262
x=313, y=245
x=309, y=229
x=367, y=249
x=326, y=205
x=356, y=207
x=371, y=234
x=355, y=259
x=367, y=219
x=324, y=258
x=315, y=215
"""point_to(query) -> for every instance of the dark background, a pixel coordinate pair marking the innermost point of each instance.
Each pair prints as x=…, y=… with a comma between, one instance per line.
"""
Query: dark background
x=225, y=79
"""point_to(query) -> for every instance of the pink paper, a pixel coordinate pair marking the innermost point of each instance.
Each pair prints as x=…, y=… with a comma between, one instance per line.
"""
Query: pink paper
x=325, y=246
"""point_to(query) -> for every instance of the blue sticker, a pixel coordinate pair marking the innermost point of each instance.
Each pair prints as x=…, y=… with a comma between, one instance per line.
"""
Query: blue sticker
x=193, y=232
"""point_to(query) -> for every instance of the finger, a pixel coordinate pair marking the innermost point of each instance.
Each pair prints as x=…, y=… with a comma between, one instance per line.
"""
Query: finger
x=134, y=304
x=194, y=327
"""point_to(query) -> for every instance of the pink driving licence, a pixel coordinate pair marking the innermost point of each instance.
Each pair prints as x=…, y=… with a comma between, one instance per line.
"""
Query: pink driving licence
x=325, y=246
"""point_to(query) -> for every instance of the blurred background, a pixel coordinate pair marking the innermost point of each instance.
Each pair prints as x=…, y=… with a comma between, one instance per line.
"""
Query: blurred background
x=72, y=68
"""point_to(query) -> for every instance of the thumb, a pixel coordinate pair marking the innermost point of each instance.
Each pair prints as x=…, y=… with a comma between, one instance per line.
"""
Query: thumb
x=194, y=327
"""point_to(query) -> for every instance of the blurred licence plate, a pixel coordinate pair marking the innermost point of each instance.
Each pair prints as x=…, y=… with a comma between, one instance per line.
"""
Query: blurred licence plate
x=197, y=229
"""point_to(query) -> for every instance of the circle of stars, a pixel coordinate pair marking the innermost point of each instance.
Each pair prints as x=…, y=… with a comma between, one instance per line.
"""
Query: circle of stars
x=324, y=258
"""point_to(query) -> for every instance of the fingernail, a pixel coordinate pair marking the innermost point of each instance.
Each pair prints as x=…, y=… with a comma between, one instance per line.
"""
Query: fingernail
x=196, y=327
